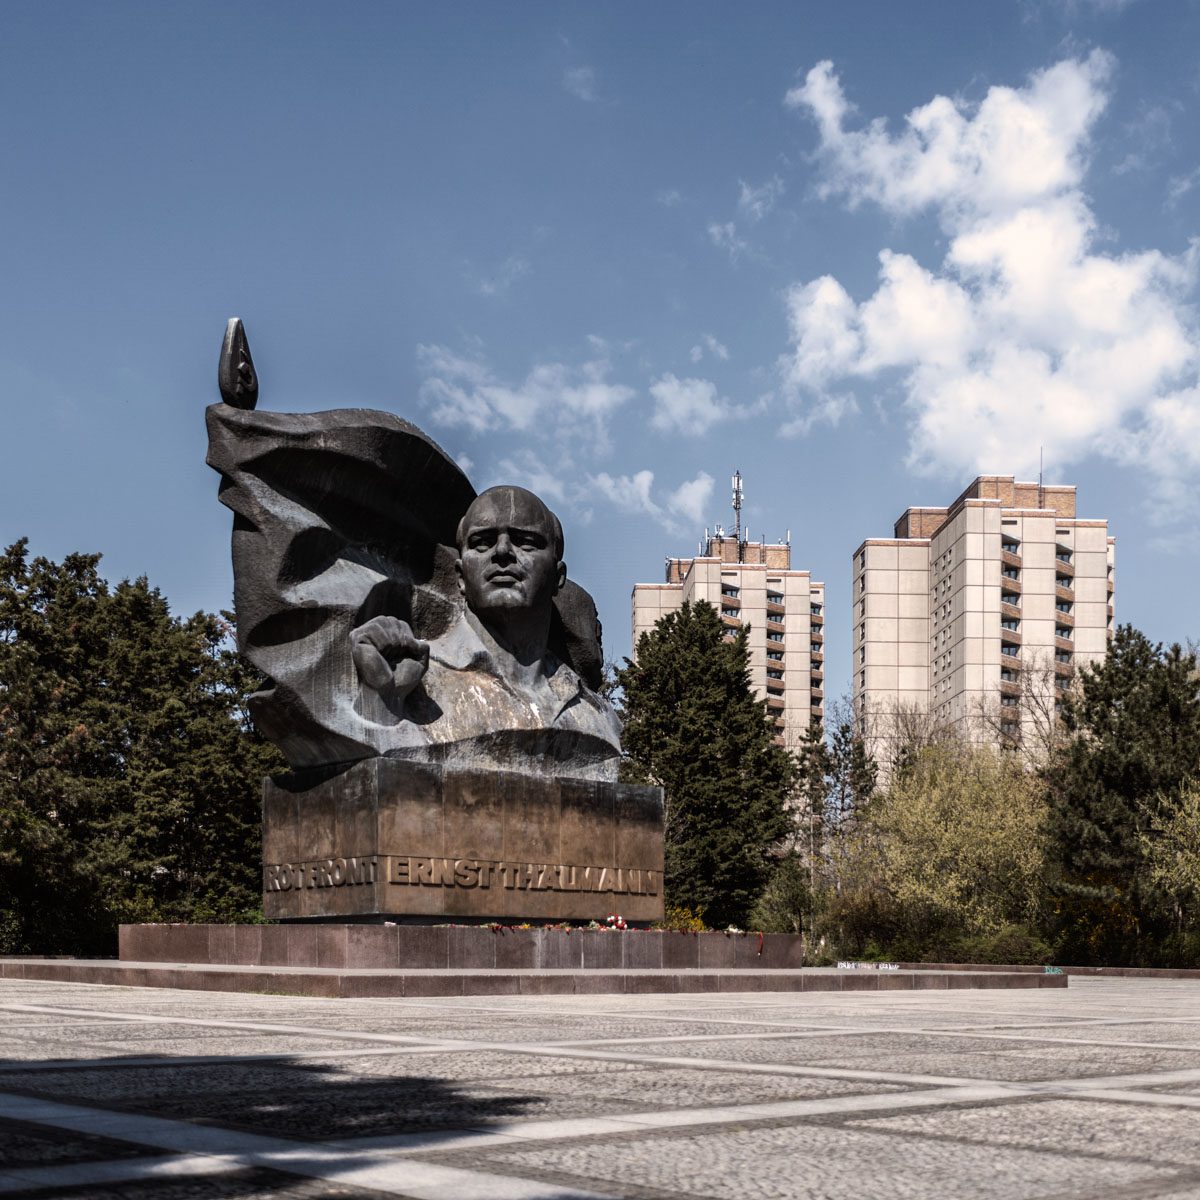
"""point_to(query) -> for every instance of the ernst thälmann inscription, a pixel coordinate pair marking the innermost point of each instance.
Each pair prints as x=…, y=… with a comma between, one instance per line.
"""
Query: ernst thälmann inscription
x=396, y=615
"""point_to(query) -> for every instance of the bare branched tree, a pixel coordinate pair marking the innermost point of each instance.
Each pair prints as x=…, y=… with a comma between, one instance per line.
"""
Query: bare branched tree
x=1025, y=716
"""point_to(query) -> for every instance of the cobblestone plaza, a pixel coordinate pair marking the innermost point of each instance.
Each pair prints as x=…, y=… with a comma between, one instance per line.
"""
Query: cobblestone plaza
x=1093, y=1091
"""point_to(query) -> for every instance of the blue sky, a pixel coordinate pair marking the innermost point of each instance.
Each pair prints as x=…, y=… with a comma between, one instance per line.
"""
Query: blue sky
x=611, y=251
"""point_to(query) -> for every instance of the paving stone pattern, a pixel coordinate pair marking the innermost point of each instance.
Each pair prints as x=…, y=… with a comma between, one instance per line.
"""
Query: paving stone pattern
x=147, y=1094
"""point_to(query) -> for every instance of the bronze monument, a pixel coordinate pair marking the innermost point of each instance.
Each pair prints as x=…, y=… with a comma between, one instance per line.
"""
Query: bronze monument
x=431, y=676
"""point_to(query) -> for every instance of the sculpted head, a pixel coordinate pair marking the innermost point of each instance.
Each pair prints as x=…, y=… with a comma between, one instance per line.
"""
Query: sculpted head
x=510, y=548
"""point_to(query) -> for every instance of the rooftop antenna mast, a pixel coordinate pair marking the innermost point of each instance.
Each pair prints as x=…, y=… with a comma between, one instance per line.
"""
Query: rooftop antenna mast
x=737, y=514
x=1041, y=473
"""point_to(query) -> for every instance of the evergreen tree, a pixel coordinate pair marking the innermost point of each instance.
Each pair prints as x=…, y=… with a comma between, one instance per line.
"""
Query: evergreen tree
x=852, y=773
x=1134, y=729
x=129, y=776
x=693, y=726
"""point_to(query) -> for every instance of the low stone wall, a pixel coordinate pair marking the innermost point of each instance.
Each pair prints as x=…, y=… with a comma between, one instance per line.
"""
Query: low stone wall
x=456, y=947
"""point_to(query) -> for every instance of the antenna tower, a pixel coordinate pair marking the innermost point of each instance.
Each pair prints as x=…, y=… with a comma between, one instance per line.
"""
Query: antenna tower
x=737, y=514
x=1041, y=472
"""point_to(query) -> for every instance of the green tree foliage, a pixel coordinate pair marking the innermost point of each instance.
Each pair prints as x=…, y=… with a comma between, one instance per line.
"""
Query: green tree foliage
x=950, y=853
x=1134, y=726
x=851, y=775
x=1171, y=846
x=693, y=726
x=785, y=905
x=129, y=777
x=835, y=780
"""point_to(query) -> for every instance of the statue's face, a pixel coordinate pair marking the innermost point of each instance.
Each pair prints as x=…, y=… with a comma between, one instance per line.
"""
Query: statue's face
x=508, y=559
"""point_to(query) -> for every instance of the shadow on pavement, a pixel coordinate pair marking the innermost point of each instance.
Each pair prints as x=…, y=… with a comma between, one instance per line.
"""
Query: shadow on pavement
x=296, y=1099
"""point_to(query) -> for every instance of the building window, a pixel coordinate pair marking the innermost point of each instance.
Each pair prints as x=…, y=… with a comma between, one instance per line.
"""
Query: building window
x=1064, y=606
x=775, y=597
x=772, y=636
x=1010, y=623
x=1010, y=544
x=1009, y=650
x=1063, y=631
x=775, y=655
x=816, y=609
x=727, y=589
x=773, y=674
x=730, y=612
x=1063, y=554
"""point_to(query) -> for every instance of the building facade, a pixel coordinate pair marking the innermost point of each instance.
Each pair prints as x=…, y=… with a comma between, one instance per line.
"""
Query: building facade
x=752, y=583
x=978, y=615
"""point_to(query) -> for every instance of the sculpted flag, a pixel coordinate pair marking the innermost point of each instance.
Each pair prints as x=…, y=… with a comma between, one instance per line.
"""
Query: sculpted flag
x=344, y=516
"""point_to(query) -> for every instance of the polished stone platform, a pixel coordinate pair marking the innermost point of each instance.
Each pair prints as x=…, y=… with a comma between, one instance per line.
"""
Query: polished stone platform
x=413, y=982
x=456, y=947
x=359, y=959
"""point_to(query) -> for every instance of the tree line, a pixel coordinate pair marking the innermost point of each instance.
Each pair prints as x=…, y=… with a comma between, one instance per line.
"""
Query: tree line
x=1085, y=851
x=129, y=773
x=130, y=778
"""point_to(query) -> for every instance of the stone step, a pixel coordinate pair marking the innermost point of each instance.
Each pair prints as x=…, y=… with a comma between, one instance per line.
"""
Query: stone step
x=415, y=982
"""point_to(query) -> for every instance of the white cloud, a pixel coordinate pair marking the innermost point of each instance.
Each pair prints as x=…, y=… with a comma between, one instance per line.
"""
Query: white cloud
x=669, y=198
x=629, y=493
x=1179, y=185
x=1020, y=146
x=690, y=499
x=686, y=406
x=510, y=270
x=827, y=408
x=634, y=494
x=1149, y=135
x=725, y=237
x=527, y=470
x=755, y=202
x=715, y=348
x=1026, y=334
x=1104, y=7
x=581, y=83
x=462, y=391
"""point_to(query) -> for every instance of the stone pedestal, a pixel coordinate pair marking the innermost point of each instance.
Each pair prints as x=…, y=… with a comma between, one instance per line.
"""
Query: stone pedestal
x=394, y=840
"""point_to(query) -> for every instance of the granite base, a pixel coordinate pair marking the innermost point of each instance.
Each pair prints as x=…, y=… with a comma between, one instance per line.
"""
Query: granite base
x=393, y=840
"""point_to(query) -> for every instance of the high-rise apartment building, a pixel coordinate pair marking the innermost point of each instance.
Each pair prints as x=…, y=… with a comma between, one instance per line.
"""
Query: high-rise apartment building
x=752, y=583
x=979, y=614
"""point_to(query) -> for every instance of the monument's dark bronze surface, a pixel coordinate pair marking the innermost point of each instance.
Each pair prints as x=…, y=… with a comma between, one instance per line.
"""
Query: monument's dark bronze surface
x=396, y=615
